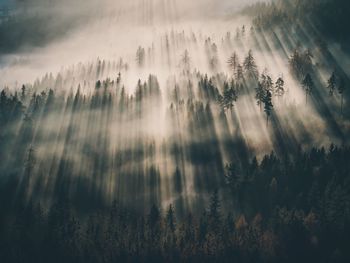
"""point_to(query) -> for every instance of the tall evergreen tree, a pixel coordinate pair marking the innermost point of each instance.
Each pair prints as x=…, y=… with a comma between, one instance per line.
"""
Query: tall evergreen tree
x=170, y=218
x=267, y=82
x=268, y=106
x=233, y=62
x=332, y=83
x=239, y=76
x=23, y=93
x=250, y=66
x=260, y=94
x=186, y=61
x=229, y=96
x=140, y=56
x=308, y=85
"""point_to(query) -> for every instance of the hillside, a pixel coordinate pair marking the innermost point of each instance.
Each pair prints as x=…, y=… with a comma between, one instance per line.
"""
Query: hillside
x=168, y=131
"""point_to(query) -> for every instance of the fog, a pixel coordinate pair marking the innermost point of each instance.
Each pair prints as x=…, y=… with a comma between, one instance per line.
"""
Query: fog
x=47, y=36
x=56, y=34
x=166, y=146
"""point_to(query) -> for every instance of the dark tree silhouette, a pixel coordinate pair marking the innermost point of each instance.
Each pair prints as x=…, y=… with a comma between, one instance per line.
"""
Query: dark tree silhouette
x=239, y=76
x=186, y=61
x=268, y=106
x=279, y=87
x=233, y=62
x=308, y=85
x=300, y=62
x=140, y=56
x=229, y=97
x=250, y=66
x=332, y=83
x=170, y=219
x=267, y=82
x=214, y=212
x=260, y=94
x=303, y=201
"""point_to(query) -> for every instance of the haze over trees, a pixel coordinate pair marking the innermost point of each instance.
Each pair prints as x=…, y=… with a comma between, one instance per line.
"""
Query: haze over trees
x=172, y=131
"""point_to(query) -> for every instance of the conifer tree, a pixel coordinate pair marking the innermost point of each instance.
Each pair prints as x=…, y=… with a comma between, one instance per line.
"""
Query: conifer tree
x=239, y=73
x=250, y=66
x=268, y=106
x=229, y=97
x=260, y=94
x=233, y=62
x=308, y=85
x=170, y=218
x=279, y=87
x=332, y=82
x=140, y=56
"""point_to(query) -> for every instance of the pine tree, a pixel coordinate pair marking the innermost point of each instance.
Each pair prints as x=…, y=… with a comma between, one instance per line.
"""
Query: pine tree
x=170, y=218
x=308, y=56
x=250, y=66
x=268, y=106
x=139, y=91
x=140, y=56
x=267, y=83
x=234, y=178
x=228, y=98
x=154, y=216
x=294, y=62
x=186, y=60
x=308, y=85
x=260, y=94
x=23, y=93
x=98, y=84
x=177, y=181
x=233, y=62
x=332, y=82
x=279, y=87
x=239, y=73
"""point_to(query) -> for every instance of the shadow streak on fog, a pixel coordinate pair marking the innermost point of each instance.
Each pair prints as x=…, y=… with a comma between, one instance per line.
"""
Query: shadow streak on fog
x=165, y=141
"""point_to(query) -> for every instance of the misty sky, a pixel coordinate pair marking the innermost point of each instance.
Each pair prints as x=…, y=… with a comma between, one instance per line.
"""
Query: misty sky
x=213, y=5
x=74, y=25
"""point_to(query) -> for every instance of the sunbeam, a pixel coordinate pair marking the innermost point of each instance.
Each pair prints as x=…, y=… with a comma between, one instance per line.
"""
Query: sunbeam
x=116, y=117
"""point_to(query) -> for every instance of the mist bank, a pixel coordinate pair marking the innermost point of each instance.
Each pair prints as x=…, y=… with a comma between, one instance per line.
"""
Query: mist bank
x=35, y=23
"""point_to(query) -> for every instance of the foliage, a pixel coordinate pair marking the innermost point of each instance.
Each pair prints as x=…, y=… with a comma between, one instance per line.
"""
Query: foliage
x=304, y=216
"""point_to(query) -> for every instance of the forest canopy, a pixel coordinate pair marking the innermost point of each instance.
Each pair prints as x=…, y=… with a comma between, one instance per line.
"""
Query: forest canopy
x=173, y=131
x=330, y=17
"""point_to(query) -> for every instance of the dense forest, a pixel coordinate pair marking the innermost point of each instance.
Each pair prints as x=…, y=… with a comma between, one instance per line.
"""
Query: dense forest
x=330, y=17
x=138, y=135
x=304, y=216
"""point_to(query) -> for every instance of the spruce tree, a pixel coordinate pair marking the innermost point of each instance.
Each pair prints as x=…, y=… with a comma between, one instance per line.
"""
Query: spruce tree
x=250, y=66
x=308, y=85
x=260, y=94
x=279, y=87
x=332, y=82
x=268, y=106
x=233, y=62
